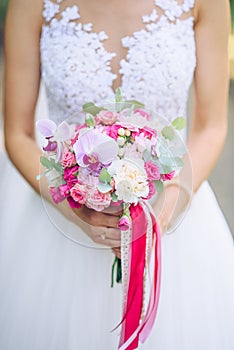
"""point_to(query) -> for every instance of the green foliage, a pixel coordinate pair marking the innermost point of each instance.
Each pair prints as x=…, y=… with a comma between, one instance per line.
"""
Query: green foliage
x=159, y=186
x=232, y=12
x=179, y=123
x=89, y=120
x=91, y=108
x=168, y=132
x=104, y=176
x=51, y=164
x=3, y=8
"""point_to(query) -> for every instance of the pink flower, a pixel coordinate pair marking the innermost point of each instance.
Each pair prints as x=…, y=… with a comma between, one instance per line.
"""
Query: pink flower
x=107, y=117
x=56, y=195
x=64, y=190
x=143, y=113
x=72, y=203
x=124, y=223
x=68, y=159
x=149, y=132
x=79, y=193
x=169, y=176
x=152, y=190
x=112, y=131
x=70, y=174
x=97, y=200
x=152, y=171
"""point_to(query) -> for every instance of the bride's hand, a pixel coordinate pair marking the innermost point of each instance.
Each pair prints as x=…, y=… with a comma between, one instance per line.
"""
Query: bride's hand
x=101, y=227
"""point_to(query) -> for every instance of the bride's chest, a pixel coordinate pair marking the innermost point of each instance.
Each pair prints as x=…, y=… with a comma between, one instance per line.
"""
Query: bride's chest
x=80, y=63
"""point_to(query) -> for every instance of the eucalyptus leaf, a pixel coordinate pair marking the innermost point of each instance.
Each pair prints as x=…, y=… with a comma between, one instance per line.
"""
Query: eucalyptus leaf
x=91, y=108
x=159, y=186
x=114, y=197
x=89, y=120
x=135, y=103
x=104, y=187
x=168, y=132
x=179, y=123
x=167, y=160
x=58, y=167
x=147, y=155
x=118, y=96
x=104, y=176
x=46, y=162
x=179, y=162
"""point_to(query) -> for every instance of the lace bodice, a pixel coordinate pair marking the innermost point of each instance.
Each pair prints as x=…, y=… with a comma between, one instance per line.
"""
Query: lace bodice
x=157, y=69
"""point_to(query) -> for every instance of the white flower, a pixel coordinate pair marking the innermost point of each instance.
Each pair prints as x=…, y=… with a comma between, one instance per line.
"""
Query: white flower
x=121, y=141
x=121, y=132
x=130, y=179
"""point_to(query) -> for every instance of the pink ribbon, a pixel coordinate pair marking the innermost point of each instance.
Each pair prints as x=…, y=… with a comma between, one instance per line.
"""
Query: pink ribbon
x=132, y=329
x=134, y=301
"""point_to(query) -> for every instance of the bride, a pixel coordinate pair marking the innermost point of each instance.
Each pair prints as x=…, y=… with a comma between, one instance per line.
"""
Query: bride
x=55, y=294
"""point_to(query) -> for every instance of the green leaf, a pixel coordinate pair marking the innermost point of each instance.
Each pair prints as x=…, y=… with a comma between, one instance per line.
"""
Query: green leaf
x=179, y=162
x=136, y=104
x=89, y=120
x=179, y=123
x=168, y=132
x=56, y=166
x=159, y=186
x=114, y=197
x=46, y=162
x=91, y=108
x=104, y=176
x=51, y=164
x=104, y=187
x=118, y=96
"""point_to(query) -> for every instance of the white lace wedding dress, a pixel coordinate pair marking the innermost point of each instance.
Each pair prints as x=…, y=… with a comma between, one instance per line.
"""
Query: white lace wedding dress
x=54, y=293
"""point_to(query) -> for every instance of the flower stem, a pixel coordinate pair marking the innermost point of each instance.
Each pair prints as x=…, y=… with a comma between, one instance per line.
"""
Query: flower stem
x=116, y=265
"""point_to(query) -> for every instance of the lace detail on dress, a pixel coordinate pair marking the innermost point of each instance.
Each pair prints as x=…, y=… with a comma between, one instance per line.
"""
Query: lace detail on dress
x=157, y=69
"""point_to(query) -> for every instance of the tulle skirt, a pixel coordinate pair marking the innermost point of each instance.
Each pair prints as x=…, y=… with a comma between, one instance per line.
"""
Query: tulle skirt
x=55, y=294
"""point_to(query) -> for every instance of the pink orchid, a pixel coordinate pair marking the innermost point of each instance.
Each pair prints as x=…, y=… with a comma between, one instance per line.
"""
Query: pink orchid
x=93, y=150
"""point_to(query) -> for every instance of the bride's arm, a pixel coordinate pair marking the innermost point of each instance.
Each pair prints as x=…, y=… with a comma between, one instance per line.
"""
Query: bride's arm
x=209, y=124
x=21, y=86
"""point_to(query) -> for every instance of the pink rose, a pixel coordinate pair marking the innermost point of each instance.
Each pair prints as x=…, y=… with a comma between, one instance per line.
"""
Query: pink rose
x=152, y=190
x=169, y=176
x=124, y=223
x=72, y=203
x=68, y=159
x=152, y=171
x=79, y=193
x=97, y=200
x=143, y=113
x=107, y=117
x=56, y=195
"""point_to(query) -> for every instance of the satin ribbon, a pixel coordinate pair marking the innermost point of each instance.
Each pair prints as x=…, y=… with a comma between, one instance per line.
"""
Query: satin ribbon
x=134, y=303
x=133, y=329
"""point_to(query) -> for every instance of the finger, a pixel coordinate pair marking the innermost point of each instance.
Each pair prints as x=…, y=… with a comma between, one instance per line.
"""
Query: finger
x=113, y=233
x=108, y=242
x=110, y=220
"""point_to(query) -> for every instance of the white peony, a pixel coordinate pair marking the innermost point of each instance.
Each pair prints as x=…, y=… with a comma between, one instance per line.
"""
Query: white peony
x=130, y=179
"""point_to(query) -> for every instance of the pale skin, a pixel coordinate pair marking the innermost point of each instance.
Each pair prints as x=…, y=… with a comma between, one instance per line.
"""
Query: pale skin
x=22, y=80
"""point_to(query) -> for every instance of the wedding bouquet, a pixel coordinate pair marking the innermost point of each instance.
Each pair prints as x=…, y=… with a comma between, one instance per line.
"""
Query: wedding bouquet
x=120, y=155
